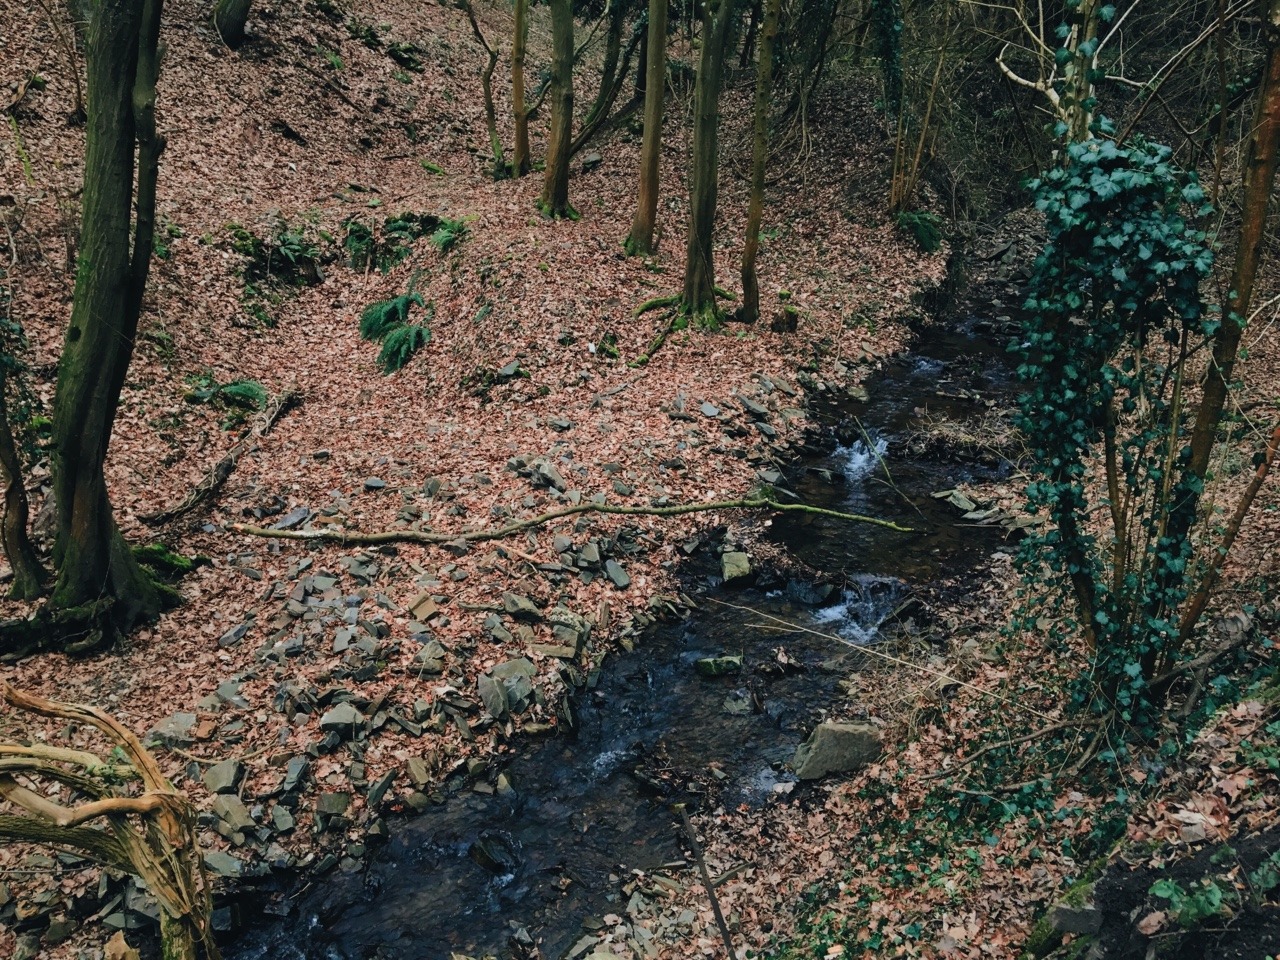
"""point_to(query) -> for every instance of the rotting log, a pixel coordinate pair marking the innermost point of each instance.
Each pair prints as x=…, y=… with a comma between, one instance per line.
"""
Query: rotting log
x=151, y=833
x=381, y=537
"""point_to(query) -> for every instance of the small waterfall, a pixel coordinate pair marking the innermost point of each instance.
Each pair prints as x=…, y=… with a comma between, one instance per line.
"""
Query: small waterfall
x=861, y=460
x=866, y=602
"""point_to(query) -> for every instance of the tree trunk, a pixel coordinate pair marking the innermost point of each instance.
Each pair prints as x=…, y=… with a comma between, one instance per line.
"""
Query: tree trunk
x=555, y=186
x=28, y=573
x=611, y=84
x=92, y=559
x=1262, y=153
x=486, y=87
x=229, y=19
x=520, y=110
x=749, y=42
x=640, y=239
x=760, y=153
x=699, y=298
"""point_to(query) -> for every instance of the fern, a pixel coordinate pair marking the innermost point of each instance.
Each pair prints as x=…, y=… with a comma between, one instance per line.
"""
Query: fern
x=448, y=234
x=399, y=345
x=382, y=317
x=244, y=393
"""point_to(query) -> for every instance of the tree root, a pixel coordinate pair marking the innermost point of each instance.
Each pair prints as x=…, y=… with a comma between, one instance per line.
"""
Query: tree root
x=656, y=343
x=75, y=630
x=379, y=538
x=656, y=303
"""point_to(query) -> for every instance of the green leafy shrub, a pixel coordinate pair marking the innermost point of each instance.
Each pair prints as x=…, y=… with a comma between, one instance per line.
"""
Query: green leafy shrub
x=238, y=398
x=388, y=244
x=287, y=256
x=400, y=344
x=924, y=228
x=380, y=318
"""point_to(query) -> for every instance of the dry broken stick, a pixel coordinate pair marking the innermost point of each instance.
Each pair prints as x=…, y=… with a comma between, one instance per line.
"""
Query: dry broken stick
x=380, y=537
x=217, y=476
x=706, y=879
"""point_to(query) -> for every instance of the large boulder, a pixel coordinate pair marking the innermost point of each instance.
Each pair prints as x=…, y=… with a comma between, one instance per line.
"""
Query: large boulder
x=837, y=748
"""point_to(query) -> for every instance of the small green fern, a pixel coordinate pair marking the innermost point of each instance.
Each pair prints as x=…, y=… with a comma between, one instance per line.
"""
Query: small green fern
x=448, y=234
x=382, y=317
x=400, y=344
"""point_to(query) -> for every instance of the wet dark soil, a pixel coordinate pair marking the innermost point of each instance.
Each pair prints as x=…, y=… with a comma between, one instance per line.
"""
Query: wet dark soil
x=1247, y=929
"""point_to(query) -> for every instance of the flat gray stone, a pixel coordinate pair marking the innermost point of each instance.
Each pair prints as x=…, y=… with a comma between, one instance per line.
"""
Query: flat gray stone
x=519, y=667
x=521, y=607
x=709, y=410
x=837, y=748
x=1083, y=918
x=343, y=719
x=281, y=819
x=231, y=810
x=174, y=731
x=735, y=565
x=224, y=777
x=223, y=864
x=333, y=804
x=492, y=695
x=615, y=573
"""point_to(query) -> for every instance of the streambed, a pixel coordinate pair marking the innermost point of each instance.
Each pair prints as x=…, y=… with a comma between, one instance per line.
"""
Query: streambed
x=484, y=874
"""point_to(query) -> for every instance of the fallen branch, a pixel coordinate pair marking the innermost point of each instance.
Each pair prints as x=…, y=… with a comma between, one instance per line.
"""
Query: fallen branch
x=1016, y=741
x=217, y=476
x=706, y=879
x=381, y=537
x=656, y=343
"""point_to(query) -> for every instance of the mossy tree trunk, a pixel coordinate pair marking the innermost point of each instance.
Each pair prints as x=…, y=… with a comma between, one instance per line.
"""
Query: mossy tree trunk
x=28, y=572
x=760, y=154
x=93, y=561
x=555, y=186
x=641, y=238
x=230, y=18
x=519, y=109
x=699, y=298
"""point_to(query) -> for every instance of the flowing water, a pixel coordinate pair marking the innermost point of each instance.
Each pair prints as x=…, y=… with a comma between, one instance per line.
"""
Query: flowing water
x=467, y=875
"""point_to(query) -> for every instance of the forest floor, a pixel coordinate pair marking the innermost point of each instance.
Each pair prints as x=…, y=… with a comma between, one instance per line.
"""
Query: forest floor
x=522, y=402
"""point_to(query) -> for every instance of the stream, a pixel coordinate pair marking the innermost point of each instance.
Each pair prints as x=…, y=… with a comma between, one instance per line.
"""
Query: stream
x=479, y=874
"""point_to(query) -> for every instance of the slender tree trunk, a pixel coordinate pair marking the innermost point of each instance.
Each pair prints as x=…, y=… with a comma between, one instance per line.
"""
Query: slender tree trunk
x=229, y=19
x=610, y=86
x=28, y=572
x=640, y=239
x=760, y=154
x=612, y=57
x=749, y=42
x=555, y=186
x=699, y=298
x=520, y=110
x=486, y=87
x=93, y=561
x=1262, y=153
